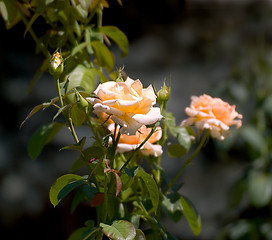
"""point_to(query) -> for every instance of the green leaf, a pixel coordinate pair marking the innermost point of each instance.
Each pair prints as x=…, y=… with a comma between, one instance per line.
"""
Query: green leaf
x=172, y=208
x=151, y=187
x=60, y=111
x=131, y=171
x=78, y=115
x=89, y=191
x=59, y=184
x=79, y=47
x=38, y=108
x=83, y=233
x=42, y=5
x=139, y=235
x=176, y=150
x=170, y=122
x=69, y=188
x=103, y=55
x=119, y=230
x=79, y=12
x=184, y=138
x=78, y=146
x=101, y=75
x=88, y=154
x=118, y=37
x=85, y=192
x=41, y=137
x=78, y=198
x=192, y=216
x=77, y=75
x=32, y=20
x=9, y=12
x=80, y=76
x=181, y=134
x=260, y=189
x=92, y=34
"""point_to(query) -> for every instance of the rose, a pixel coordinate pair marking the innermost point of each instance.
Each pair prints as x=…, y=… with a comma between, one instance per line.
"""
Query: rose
x=130, y=142
x=56, y=65
x=127, y=104
x=213, y=114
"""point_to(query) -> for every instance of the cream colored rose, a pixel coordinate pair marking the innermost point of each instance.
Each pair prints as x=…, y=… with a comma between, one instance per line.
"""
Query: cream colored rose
x=127, y=103
x=212, y=113
x=131, y=142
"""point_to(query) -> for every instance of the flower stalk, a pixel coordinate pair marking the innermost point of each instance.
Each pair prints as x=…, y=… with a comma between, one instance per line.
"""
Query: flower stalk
x=59, y=93
x=189, y=159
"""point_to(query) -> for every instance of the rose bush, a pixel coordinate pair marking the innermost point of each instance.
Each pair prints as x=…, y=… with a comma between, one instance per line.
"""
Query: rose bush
x=130, y=198
x=213, y=114
x=127, y=104
x=131, y=142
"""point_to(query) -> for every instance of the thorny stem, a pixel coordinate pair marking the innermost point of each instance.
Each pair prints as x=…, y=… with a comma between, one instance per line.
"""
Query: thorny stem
x=188, y=160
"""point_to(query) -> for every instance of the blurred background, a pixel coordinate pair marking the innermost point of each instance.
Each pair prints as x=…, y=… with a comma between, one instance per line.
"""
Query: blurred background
x=217, y=47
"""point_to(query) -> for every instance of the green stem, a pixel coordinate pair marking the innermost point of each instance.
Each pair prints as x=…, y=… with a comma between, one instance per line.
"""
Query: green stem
x=188, y=160
x=94, y=11
x=105, y=202
x=71, y=126
x=139, y=147
x=116, y=141
x=99, y=18
x=59, y=93
x=72, y=129
x=100, y=235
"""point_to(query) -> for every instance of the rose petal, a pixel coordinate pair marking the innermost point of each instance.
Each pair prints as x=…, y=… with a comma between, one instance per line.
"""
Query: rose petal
x=98, y=107
x=151, y=117
x=131, y=127
x=119, y=121
x=93, y=100
x=127, y=103
x=149, y=93
x=123, y=147
x=110, y=102
x=187, y=122
x=137, y=86
x=152, y=149
x=129, y=81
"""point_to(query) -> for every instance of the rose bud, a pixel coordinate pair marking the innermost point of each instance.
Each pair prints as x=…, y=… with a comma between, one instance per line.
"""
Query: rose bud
x=56, y=65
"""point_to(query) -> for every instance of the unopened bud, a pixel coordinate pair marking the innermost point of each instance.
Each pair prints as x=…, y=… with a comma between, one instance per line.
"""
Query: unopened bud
x=56, y=65
x=163, y=95
x=82, y=103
